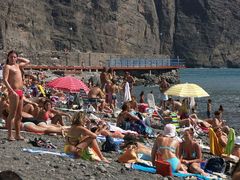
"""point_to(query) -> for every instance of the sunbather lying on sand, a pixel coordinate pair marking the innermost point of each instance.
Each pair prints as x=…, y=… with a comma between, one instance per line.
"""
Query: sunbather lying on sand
x=31, y=124
x=48, y=113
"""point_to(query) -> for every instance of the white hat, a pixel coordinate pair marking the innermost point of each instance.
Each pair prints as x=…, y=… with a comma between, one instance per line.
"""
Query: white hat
x=169, y=130
x=237, y=140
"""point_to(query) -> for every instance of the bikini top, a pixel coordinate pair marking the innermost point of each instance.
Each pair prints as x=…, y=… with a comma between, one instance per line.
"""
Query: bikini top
x=193, y=155
x=172, y=149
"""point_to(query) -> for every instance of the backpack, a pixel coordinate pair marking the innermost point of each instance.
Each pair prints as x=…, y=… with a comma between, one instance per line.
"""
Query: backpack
x=109, y=145
x=216, y=164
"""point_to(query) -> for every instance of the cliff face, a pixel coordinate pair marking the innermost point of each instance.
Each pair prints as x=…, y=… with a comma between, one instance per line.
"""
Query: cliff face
x=203, y=32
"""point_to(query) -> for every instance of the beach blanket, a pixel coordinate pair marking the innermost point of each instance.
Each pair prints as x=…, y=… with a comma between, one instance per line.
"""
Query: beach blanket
x=152, y=169
x=47, y=151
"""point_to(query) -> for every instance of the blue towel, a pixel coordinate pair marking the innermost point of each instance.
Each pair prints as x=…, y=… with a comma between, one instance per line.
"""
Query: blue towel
x=116, y=140
x=144, y=168
x=47, y=151
x=151, y=169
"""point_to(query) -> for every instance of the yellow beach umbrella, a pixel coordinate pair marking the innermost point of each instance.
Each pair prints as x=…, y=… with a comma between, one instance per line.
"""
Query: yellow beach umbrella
x=186, y=90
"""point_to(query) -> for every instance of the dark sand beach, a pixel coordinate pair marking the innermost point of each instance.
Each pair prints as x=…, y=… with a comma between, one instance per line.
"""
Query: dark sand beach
x=46, y=166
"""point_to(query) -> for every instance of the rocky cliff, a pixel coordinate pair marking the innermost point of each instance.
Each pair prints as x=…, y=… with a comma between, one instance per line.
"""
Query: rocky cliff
x=203, y=32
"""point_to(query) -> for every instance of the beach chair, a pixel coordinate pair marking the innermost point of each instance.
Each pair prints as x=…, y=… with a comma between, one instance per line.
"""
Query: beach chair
x=151, y=106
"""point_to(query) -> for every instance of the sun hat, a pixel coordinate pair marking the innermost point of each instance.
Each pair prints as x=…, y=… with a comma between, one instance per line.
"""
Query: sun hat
x=169, y=130
x=237, y=140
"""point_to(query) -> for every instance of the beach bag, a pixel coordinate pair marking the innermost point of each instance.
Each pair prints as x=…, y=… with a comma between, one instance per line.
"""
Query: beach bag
x=216, y=164
x=163, y=167
x=109, y=145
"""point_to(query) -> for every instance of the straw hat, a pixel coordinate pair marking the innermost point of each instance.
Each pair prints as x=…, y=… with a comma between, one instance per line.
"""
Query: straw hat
x=237, y=140
x=169, y=130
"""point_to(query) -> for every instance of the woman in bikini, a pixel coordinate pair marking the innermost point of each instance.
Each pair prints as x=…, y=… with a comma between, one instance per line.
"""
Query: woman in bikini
x=79, y=138
x=166, y=147
x=48, y=113
x=125, y=118
x=190, y=153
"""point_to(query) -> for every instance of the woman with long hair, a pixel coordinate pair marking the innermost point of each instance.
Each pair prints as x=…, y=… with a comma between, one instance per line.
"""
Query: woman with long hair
x=79, y=138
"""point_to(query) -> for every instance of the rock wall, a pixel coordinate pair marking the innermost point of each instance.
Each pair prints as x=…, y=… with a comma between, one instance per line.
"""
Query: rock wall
x=203, y=32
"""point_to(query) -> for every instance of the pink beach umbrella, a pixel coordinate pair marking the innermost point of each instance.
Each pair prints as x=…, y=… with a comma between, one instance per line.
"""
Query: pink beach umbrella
x=69, y=84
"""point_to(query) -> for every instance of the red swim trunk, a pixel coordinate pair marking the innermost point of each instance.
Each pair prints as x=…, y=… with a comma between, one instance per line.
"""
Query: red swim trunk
x=19, y=93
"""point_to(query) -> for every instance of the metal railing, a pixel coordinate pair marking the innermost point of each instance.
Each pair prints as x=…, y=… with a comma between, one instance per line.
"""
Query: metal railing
x=144, y=62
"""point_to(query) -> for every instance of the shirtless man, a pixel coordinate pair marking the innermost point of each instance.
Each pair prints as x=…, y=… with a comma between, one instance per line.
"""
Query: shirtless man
x=112, y=90
x=164, y=86
x=103, y=78
x=96, y=95
x=130, y=80
x=12, y=78
x=176, y=105
x=218, y=122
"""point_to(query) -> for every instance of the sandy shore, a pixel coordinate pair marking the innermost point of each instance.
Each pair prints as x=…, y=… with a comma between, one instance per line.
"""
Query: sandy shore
x=37, y=166
x=44, y=166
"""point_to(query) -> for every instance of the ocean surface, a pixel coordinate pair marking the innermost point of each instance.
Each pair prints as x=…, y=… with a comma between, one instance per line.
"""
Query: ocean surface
x=223, y=86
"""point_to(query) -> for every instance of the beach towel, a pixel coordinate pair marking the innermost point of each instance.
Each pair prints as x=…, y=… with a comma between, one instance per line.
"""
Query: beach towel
x=215, y=147
x=152, y=169
x=127, y=93
x=47, y=151
x=230, y=142
x=115, y=140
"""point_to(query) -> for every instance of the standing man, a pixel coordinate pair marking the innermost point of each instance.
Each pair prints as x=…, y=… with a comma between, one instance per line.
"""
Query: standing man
x=103, y=78
x=12, y=77
x=164, y=86
x=130, y=80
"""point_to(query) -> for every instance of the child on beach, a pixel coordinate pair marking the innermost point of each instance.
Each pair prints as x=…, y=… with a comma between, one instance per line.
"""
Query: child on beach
x=12, y=78
x=209, y=108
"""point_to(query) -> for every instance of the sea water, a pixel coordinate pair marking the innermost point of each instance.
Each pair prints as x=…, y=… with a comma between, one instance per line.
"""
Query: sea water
x=223, y=86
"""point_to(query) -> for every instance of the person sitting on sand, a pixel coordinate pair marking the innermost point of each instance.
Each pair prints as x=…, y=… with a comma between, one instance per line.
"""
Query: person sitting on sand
x=218, y=141
x=236, y=147
x=183, y=110
x=95, y=96
x=142, y=99
x=125, y=118
x=218, y=122
x=190, y=153
x=133, y=103
x=165, y=148
x=79, y=138
x=47, y=113
x=175, y=105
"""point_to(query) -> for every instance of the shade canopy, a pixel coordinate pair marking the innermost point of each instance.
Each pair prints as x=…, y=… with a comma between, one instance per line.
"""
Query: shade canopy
x=69, y=84
x=186, y=90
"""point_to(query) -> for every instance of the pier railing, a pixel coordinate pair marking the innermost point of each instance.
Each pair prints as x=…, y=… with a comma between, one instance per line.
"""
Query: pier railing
x=144, y=62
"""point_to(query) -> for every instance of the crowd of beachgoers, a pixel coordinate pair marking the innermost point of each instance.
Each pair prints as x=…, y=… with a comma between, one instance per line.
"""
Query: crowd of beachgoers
x=166, y=136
